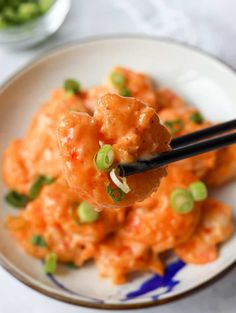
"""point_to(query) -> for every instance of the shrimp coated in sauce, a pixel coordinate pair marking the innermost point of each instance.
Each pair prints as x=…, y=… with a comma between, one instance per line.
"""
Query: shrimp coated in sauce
x=131, y=128
x=37, y=152
x=216, y=226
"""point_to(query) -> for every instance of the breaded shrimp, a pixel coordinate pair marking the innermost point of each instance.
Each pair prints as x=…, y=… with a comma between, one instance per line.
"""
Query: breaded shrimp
x=137, y=84
x=140, y=85
x=53, y=215
x=180, y=121
x=224, y=169
x=153, y=222
x=37, y=152
x=117, y=258
x=131, y=128
x=216, y=226
x=167, y=99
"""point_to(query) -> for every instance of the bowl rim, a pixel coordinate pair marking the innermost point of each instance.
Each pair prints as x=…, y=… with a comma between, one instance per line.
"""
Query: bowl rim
x=70, y=44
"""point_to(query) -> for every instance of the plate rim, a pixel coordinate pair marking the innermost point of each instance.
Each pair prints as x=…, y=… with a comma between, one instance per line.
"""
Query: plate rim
x=70, y=44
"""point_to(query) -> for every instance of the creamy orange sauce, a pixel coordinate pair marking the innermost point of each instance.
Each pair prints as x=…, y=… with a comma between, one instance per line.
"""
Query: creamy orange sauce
x=131, y=235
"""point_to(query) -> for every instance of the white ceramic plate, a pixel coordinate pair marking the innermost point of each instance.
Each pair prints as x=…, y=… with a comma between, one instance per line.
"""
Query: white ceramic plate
x=203, y=81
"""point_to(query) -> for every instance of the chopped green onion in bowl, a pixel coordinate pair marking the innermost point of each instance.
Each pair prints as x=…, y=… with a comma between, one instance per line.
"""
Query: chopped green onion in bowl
x=18, y=12
x=125, y=92
x=117, y=79
x=50, y=263
x=71, y=86
x=196, y=118
x=181, y=201
x=38, y=184
x=39, y=241
x=27, y=11
x=45, y=5
x=198, y=191
x=16, y=199
x=116, y=194
x=87, y=213
x=105, y=157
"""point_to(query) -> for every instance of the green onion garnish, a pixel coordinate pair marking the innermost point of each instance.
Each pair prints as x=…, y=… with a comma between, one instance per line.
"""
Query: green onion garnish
x=16, y=199
x=198, y=191
x=72, y=266
x=71, y=86
x=174, y=127
x=86, y=213
x=44, y=5
x=125, y=92
x=105, y=157
x=17, y=12
x=3, y=24
x=38, y=240
x=197, y=118
x=181, y=201
x=117, y=79
x=116, y=194
x=38, y=184
x=26, y=11
x=50, y=263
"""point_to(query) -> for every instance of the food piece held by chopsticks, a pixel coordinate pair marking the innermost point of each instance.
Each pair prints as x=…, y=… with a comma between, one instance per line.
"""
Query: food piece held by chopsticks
x=122, y=129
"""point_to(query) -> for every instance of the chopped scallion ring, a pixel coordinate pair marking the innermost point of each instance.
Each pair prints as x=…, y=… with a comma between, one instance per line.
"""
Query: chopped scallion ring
x=105, y=157
x=120, y=184
x=117, y=79
x=38, y=240
x=196, y=118
x=71, y=265
x=181, y=201
x=16, y=199
x=72, y=86
x=50, y=263
x=125, y=92
x=198, y=191
x=38, y=184
x=116, y=194
x=86, y=213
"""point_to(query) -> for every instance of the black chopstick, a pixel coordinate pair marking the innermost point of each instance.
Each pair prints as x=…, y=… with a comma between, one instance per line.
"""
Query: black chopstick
x=182, y=152
x=203, y=133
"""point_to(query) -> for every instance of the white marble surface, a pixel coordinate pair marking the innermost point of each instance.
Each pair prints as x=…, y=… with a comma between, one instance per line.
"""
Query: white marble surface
x=209, y=24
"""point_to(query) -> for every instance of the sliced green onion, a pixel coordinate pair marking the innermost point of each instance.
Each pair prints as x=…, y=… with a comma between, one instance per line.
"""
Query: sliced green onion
x=116, y=194
x=120, y=184
x=198, y=191
x=38, y=184
x=72, y=86
x=72, y=266
x=117, y=79
x=38, y=240
x=86, y=213
x=27, y=10
x=50, y=263
x=16, y=199
x=181, y=201
x=197, y=118
x=10, y=15
x=3, y=23
x=174, y=127
x=105, y=157
x=125, y=92
x=44, y=5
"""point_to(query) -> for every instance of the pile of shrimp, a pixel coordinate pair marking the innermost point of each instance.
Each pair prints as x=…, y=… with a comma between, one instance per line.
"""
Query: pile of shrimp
x=131, y=235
